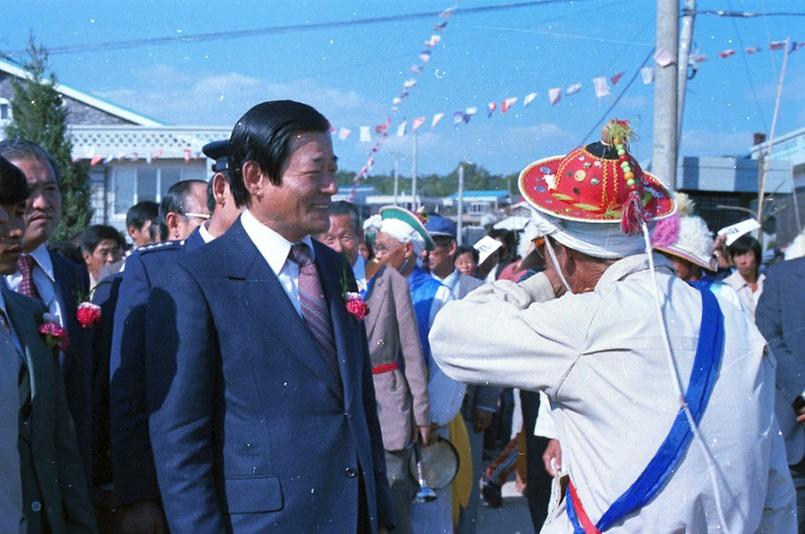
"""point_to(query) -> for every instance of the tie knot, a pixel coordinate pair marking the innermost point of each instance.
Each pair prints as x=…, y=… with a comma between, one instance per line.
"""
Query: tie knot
x=300, y=254
x=25, y=263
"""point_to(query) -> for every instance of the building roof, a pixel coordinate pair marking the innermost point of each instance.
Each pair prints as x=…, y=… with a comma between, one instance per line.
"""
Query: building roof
x=19, y=71
x=484, y=193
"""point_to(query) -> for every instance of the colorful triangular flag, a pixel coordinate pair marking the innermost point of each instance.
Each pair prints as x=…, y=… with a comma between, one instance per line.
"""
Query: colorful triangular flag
x=343, y=133
x=409, y=83
x=417, y=122
x=777, y=45
x=554, y=95
x=647, y=75
x=663, y=58
x=424, y=56
x=401, y=129
x=616, y=78
x=507, y=103
x=573, y=89
x=726, y=53
x=459, y=117
x=490, y=108
x=752, y=50
x=365, y=134
x=601, y=87
x=529, y=98
x=436, y=118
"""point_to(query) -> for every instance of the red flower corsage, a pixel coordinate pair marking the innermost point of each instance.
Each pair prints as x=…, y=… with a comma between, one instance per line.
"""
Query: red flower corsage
x=88, y=314
x=355, y=305
x=55, y=335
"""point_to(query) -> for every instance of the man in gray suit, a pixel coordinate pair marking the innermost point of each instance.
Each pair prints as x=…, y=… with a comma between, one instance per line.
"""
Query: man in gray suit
x=398, y=367
x=480, y=402
x=53, y=488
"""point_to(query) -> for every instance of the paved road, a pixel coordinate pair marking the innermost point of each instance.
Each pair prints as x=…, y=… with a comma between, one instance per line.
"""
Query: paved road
x=511, y=518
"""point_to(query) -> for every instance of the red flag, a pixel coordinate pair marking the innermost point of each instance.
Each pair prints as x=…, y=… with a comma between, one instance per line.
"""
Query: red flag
x=417, y=122
x=777, y=45
x=726, y=53
x=95, y=160
x=490, y=108
x=507, y=103
x=752, y=50
x=616, y=78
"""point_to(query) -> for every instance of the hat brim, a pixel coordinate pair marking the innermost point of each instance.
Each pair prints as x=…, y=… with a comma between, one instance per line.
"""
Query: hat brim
x=402, y=214
x=687, y=256
x=535, y=186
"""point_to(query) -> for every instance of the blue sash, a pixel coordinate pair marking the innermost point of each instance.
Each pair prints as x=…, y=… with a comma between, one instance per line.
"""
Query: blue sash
x=423, y=291
x=704, y=374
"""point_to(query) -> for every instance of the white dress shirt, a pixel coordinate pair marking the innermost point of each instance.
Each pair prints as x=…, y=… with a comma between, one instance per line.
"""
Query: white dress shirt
x=748, y=298
x=275, y=249
x=205, y=234
x=45, y=282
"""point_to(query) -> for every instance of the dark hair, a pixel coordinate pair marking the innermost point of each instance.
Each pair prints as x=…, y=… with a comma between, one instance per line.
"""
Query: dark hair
x=442, y=240
x=142, y=212
x=68, y=250
x=342, y=207
x=509, y=240
x=97, y=233
x=174, y=202
x=13, y=185
x=463, y=249
x=20, y=149
x=744, y=244
x=264, y=135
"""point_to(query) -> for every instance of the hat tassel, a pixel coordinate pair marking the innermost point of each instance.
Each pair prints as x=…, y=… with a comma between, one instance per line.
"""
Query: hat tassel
x=632, y=218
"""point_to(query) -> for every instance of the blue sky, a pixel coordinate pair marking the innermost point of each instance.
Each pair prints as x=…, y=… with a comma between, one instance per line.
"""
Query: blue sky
x=351, y=74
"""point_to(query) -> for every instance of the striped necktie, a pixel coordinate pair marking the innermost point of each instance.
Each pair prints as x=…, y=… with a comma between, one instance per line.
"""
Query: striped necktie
x=25, y=263
x=313, y=303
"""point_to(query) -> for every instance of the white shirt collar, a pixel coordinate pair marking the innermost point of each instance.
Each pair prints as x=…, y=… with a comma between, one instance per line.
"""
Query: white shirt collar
x=205, y=234
x=271, y=245
x=42, y=258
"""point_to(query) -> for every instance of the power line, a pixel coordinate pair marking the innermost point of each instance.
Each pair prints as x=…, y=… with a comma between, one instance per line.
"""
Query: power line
x=749, y=14
x=749, y=77
x=615, y=103
x=271, y=30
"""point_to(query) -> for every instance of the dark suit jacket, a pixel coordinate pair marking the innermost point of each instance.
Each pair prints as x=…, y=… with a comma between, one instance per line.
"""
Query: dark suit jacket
x=52, y=478
x=72, y=285
x=105, y=296
x=132, y=463
x=780, y=317
x=250, y=429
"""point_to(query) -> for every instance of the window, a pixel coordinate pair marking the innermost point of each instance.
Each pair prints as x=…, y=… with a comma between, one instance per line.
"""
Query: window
x=135, y=183
x=5, y=111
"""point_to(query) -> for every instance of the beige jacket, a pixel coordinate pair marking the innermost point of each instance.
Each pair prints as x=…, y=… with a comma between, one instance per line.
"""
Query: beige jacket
x=599, y=357
x=402, y=394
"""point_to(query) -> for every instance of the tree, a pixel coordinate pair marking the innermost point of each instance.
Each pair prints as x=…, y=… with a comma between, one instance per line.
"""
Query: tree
x=39, y=115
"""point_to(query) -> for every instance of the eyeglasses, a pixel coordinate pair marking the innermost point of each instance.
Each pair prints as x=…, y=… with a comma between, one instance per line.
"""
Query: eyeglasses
x=382, y=248
x=202, y=216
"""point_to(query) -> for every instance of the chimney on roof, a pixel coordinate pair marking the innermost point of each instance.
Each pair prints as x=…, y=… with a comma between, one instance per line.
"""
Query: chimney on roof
x=758, y=138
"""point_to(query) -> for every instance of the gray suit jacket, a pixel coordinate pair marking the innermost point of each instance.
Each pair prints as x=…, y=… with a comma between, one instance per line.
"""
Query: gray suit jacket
x=402, y=393
x=477, y=397
x=53, y=481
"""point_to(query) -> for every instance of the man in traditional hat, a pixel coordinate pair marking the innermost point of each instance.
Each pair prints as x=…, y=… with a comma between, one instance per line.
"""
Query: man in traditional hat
x=401, y=239
x=617, y=342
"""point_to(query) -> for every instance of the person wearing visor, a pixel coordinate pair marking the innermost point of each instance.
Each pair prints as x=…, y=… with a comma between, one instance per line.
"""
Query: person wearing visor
x=637, y=363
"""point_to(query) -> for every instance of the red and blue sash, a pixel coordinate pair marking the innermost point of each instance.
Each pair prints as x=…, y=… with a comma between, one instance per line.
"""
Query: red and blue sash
x=703, y=376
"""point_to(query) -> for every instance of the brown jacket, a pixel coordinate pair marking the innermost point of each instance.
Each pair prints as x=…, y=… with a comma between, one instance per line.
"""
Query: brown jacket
x=402, y=393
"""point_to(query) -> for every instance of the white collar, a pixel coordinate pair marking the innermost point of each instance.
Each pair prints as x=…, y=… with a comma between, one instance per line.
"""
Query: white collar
x=272, y=246
x=205, y=234
x=42, y=258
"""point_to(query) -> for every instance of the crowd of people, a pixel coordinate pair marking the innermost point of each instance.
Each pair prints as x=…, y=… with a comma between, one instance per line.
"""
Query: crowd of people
x=263, y=359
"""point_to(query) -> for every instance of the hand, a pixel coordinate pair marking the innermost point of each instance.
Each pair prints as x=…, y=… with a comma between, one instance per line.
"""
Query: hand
x=424, y=434
x=801, y=415
x=482, y=420
x=552, y=457
x=144, y=517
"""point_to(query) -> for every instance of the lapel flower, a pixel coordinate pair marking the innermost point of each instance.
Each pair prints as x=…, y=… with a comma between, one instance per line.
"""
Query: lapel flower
x=353, y=301
x=88, y=314
x=55, y=335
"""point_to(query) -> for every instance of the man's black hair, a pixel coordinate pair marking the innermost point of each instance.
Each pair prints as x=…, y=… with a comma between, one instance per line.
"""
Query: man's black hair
x=13, y=185
x=22, y=149
x=342, y=207
x=142, y=212
x=174, y=202
x=96, y=233
x=264, y=135
x=744, y=244
x=211, y=196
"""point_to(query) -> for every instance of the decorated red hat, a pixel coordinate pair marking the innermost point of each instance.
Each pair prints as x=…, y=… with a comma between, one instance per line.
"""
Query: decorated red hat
x=598, y=183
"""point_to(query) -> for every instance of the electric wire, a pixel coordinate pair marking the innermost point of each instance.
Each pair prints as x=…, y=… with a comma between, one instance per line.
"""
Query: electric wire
x=749, y=74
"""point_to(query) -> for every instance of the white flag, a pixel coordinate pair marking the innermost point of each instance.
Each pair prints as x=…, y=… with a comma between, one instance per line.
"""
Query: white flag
x=529, y=98
x=417, y=122
x=343, y=133
x=601, y=86
x=436, y=118
x=554, y=95
x=647, y=74
x=401, y=129
x=409, y=83
x=471, y=111
x=366, y=134
x=573, y=89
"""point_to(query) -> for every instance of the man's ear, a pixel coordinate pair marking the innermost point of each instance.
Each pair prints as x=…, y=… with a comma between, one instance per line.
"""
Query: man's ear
x=172, y=222
x=219, y=185
x=253, y=178
x=409, y=249
x=87, y=256
x=452, y=250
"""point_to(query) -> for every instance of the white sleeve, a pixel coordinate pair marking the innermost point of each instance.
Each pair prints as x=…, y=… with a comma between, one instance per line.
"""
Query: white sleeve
x=501, y=334
x=545, y=426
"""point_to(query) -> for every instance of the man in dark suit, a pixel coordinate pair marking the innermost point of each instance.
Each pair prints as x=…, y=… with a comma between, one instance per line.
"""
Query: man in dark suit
x=53, y=495
x=136, y=492
x=263, y=416
x=780, y=317
x=55, y=281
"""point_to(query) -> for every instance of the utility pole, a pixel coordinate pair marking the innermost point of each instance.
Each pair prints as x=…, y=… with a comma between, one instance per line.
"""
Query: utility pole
x=460, y=237
x=396, y=176
x=663, y=154
x=414, y=203
x=765, y=159
x=685, y=40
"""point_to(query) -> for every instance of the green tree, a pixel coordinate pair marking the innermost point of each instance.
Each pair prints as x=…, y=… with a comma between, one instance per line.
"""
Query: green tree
x=39, y=115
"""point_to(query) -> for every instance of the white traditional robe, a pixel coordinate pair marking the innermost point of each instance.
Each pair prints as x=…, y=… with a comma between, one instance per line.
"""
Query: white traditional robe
x=599, y=357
